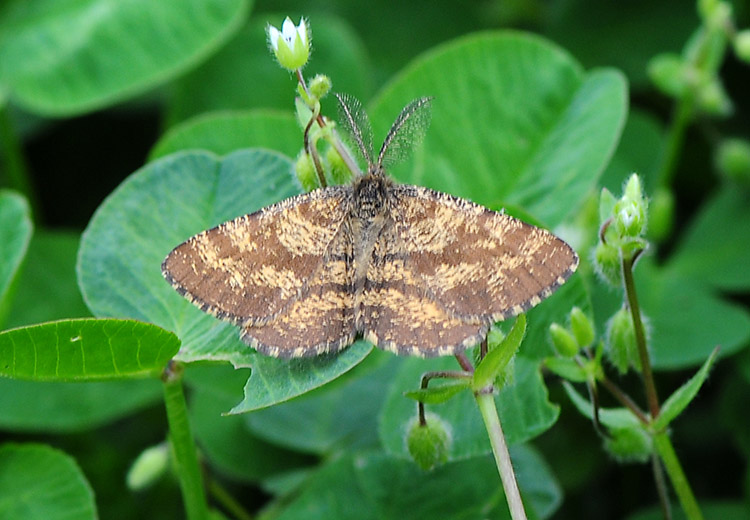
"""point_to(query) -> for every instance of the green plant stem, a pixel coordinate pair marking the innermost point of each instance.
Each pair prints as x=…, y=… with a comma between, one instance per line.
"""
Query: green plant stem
x=488, y=410
x=640, y=336
x=661, y=487
x=183, y=445
x=15, y=165
x=664, y=448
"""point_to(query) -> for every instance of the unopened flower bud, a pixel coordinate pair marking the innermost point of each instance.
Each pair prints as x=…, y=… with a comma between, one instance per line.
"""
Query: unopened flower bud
x=621, y=345
x=563, y=340
x=582, y=327
x=305, y=171
x=429, y=444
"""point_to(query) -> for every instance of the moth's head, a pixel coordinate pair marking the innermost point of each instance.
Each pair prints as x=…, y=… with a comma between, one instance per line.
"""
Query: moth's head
x=371, y=195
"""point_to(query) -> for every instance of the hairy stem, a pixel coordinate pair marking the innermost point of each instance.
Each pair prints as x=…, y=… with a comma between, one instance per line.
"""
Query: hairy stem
x=488, y=410
x=624, y=399
x=640, y=336
x=666, y=452
x=183, y=445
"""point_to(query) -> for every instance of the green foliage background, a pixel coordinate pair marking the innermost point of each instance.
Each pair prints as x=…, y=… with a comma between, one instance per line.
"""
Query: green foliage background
x=141, y=123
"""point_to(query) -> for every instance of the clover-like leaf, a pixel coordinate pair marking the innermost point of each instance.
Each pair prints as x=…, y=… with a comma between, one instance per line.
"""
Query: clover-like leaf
x=86, y=349
x=38, y=482
x=70, y=57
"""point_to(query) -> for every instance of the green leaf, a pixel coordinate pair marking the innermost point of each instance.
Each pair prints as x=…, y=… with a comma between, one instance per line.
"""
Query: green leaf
x=244, y=74
x=86, y=350
x=50, y=270
x=375, y=486
x=339, y=416
x=15, y=233
x=68, y=57
x=439, y=393
x=277, y=380
x=225, y=132
x=225, y=440
x=535, y=130
x=615, y=418
x=498, y=357
x=678, y=401
x=38, y=482
x=567, y=368
x=714, y=251
x=35, y=406
x=523, y=407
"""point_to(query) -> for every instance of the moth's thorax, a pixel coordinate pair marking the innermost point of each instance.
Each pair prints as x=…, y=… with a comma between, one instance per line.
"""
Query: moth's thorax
x=371, y=197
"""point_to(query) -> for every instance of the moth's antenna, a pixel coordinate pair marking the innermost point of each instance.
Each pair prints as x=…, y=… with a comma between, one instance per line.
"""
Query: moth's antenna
x=406, y=132
x=354, y=120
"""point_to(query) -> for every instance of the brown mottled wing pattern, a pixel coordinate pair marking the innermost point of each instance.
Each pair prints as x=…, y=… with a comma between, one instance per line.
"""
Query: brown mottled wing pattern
x=447, y=268
x=277, y=273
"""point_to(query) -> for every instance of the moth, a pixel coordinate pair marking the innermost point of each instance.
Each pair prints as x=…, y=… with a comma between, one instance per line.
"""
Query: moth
x=410, y=269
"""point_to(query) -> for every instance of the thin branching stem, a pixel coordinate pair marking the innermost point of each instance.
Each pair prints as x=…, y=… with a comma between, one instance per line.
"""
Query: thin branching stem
x=661, y=487
x=464, y=362
x=438, y=374
x=625, y=400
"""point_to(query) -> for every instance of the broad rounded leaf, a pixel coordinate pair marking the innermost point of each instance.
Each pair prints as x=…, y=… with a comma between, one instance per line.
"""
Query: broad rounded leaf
x=38, y=482
x=15, y=233
x=516, y=121
x=277, y=380
x=225, y=132
x=523, y=406
x=86, y=350
x=70, y=56
x=342, y=415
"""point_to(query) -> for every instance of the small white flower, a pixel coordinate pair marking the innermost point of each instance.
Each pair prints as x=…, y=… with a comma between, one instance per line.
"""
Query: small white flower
x=291, y=45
